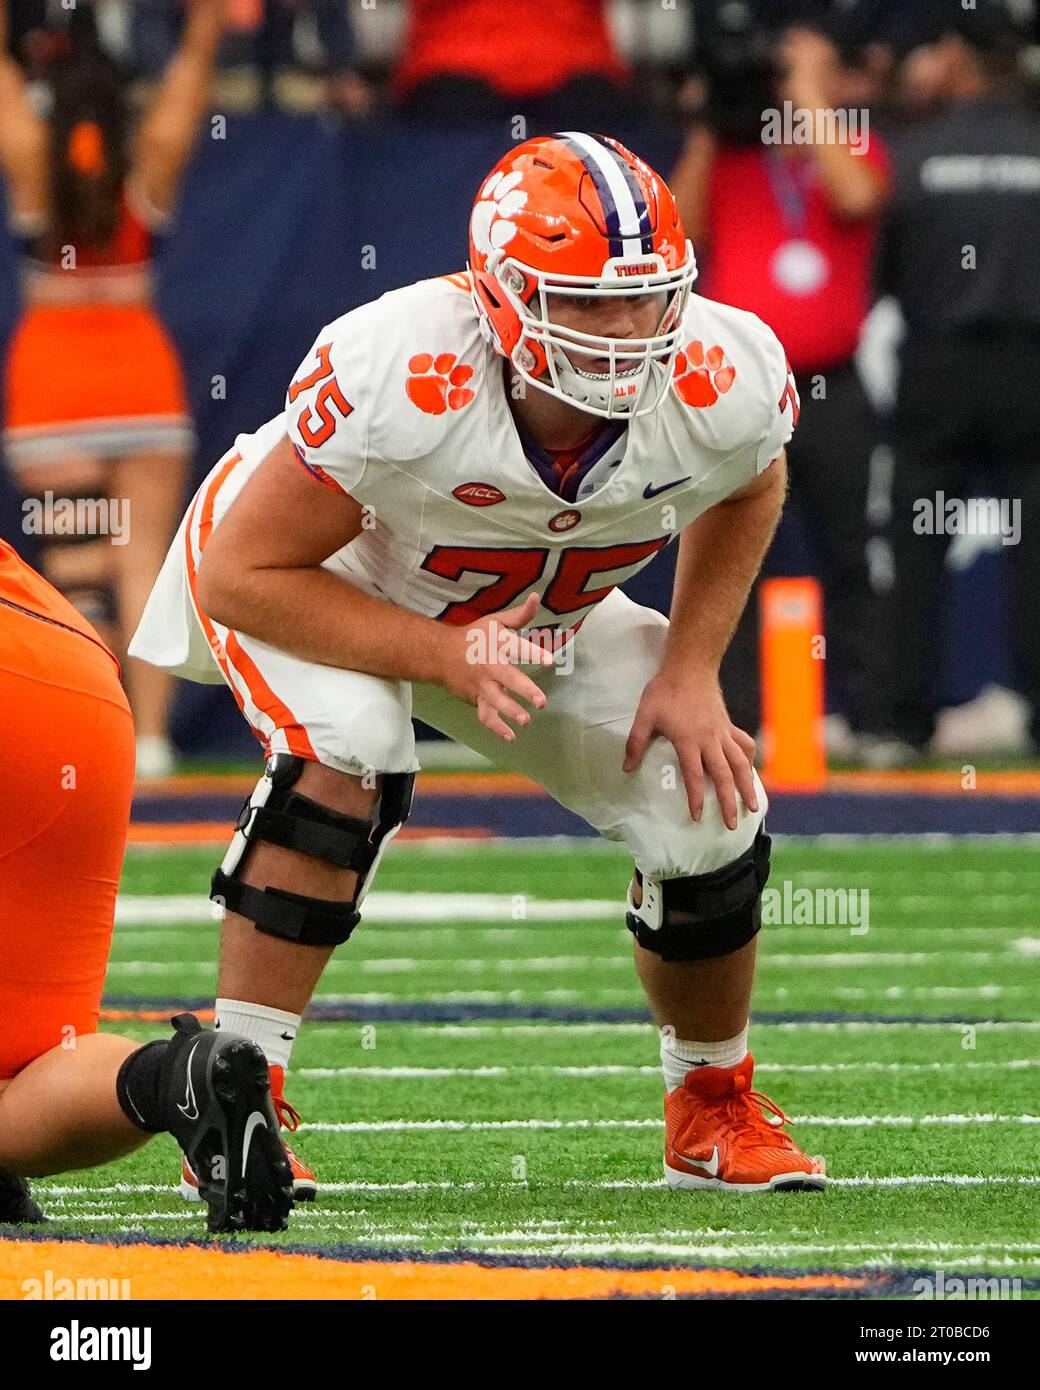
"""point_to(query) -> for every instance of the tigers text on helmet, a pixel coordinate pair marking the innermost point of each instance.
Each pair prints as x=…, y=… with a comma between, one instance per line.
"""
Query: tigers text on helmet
x=579, y=217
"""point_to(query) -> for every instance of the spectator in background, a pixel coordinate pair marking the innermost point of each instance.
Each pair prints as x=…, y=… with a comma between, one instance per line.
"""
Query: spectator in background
x=552, y=61
x=787, y=231
x=262, y=35
x=94, y=401
x=961, y=254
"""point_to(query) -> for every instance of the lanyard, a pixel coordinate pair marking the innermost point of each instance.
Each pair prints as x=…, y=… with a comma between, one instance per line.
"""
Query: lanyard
x=789, y=192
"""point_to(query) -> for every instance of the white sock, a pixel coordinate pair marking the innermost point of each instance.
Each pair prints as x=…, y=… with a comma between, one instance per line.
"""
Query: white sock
x=679, y=1056
x=274, y=1030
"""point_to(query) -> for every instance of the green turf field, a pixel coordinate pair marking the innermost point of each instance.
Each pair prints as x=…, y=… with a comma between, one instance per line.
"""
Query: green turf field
x=545, y=1137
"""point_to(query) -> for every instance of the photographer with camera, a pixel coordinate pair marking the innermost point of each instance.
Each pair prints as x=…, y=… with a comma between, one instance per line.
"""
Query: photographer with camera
x=781, y=185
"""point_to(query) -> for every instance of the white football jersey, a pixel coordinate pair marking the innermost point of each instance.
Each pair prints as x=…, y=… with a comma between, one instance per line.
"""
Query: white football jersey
x=405, y=406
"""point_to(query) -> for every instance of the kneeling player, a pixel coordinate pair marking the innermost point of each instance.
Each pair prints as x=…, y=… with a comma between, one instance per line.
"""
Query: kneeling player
x=464, y=473
x=71, y=1097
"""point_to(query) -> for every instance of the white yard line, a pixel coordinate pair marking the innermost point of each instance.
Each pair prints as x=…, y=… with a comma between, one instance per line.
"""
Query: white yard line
x=630, y=1241
x=565, y=1029
x=129, y=1220
x=859, y=959
x=933, y=939
x=530, y=1030
x=63, y=1190
x=417, y=906
x=861, y=992
x=540, y=1069
x=579, y=1244
x=880, y=1255
x=823, y=1121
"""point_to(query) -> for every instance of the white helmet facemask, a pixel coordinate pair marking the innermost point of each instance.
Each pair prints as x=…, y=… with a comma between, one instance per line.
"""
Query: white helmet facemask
x=611, y=377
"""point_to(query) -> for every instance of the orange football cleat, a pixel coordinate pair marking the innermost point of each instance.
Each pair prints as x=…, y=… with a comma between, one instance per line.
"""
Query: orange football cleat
x=305, y=1184
x=717, y=1135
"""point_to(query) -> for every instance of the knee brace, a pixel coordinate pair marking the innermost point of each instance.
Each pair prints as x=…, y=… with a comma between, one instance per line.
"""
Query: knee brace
x=280, y=816
x=704, y=915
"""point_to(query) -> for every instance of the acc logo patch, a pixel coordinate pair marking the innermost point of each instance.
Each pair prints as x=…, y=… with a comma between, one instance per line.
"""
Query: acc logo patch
x=478, y=494
x=564, y=521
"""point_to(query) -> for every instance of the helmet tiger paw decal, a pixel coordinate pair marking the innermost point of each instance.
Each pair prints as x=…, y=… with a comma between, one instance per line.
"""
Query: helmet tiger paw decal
x=499, y=199
x=702, y=376
x=437, y=384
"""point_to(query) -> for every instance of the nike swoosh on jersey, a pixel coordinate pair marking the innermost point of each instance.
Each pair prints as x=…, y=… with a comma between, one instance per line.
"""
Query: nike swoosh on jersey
x=710, y=1165
x=255, y=1118
x=189, y=1109
x=651, y=491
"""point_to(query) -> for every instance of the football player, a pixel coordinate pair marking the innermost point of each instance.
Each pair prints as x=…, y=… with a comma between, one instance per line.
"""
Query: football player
x=71, y=1097
x=437, y=523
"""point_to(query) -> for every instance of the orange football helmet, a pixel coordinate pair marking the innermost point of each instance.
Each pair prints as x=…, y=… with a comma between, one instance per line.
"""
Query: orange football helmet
x=579, y=215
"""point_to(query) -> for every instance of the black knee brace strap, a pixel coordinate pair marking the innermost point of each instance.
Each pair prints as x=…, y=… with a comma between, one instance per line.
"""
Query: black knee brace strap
x=280, y=816
x=705, y=915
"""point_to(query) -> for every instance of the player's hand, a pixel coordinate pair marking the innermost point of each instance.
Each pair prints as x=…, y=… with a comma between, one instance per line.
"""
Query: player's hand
x=692, y=715
x=481, y=665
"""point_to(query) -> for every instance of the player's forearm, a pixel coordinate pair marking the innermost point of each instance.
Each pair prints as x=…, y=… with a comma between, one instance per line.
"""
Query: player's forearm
x=317, y=616
x=719, y=556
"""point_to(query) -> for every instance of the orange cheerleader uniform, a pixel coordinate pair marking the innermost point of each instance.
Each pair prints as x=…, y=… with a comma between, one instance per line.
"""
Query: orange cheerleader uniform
x=91, y=371
x=66, y=773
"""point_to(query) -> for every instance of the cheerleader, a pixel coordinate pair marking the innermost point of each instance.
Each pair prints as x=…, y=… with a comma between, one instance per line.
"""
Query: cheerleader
x=95, y=409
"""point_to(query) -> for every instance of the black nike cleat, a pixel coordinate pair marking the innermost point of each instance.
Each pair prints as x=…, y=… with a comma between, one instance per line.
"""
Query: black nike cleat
x=17, y=1207
x=217, y=1105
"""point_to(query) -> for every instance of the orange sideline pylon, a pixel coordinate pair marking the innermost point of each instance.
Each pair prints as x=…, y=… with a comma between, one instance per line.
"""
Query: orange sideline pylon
x=791, y=656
